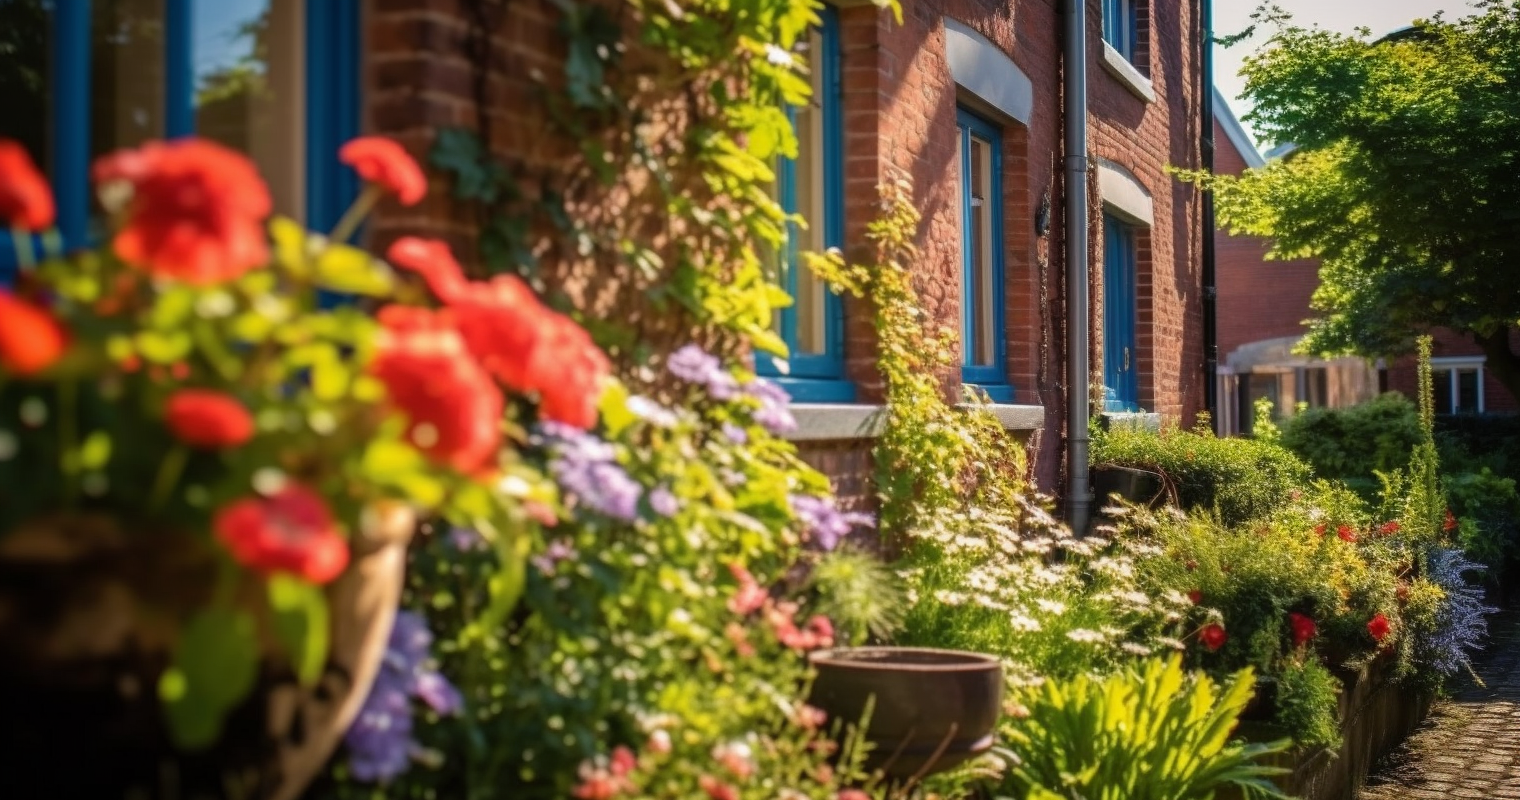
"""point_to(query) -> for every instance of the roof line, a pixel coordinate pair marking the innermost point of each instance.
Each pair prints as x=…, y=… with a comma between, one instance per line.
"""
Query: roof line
x=1236, y=132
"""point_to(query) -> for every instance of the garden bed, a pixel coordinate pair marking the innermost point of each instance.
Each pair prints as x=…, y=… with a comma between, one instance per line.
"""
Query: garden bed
x=1376, y=716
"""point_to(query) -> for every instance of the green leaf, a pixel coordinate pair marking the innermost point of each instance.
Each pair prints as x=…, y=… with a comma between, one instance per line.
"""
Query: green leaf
x=329, y=379
x=289, y=245
x=342, y=268
x=96, y=451
x=300, y=622
x=614, y=410
x=214, y=668
x=164, y=347
x=387, y=458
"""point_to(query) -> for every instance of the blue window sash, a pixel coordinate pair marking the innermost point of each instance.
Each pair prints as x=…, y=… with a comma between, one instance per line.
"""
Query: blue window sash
x=332, y=109
x=990, y=378
x=1120, y=307
x=817, y=377
x=1119, y=26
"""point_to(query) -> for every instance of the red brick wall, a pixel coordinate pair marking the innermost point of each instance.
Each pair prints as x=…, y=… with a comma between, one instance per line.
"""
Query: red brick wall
x=899, y=113
x=1403, y=373
x=1258, y=299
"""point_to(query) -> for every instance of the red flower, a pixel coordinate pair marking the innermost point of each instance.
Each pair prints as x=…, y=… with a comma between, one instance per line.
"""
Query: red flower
x=1320, y=529
x=207, y=420
x=716, y=789
x=197, y=210
x=1346, y=534
x=1195, y=596
x=432, y=260
x=1378, y=626
x=568, y=369
x=1303, y=628
x=530, y=348
x=623, y=761
x=851, y=794
x=1389, y=528
x=291, y=531
x=31, y=340
x=1450, y=523
x=452, y=408
x=750, y=596
x=386, y=164
x=1212, y=636
x=25, y=199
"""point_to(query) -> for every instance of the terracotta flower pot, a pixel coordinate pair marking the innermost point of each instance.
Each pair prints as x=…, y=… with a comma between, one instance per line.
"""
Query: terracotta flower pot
x=87, y=626
x=934, y=709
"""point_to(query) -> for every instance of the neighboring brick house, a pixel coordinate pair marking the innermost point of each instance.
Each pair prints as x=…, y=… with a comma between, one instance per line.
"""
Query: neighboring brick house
x=1262, y=308
x=965, y=96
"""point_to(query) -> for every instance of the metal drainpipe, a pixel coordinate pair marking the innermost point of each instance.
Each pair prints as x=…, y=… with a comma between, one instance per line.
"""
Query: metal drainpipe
x=1077, y=392
x=1206, y=151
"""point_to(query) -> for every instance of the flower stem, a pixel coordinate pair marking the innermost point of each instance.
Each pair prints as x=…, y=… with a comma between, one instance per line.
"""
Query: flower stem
x=355, y=214
x=169, y=471
x=21, y=239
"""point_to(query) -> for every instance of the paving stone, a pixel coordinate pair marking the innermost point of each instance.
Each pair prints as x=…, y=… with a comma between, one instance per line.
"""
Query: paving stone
x=1470, y=746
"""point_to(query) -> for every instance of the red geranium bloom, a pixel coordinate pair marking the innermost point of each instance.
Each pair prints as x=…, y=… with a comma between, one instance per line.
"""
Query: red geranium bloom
x=291, y=531
x=432, y=260
x=1195, y=596
x=1378, y=626
x=1212, y=636
x=1320, y=529
x=208, y=420
x=567, y=369
x=197, y=210
x=1450, y=523
x=31, y=340
x=1303, y=628
x=1346, y=534
x=25, y=199
x=453, y=409
x=1389, y=528
x=386, y=164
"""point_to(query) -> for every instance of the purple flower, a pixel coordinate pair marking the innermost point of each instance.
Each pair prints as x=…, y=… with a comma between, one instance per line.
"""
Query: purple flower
x=467, y=540
x=693, y=364
x=824, y=521
x=664, y=502
x=557, y=551
x=586, y=467
x=380, y=741
x=773, y=414
x=735, y=433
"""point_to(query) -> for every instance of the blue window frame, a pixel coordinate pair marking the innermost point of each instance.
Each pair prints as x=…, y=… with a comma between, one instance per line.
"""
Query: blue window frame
x=170, y=74
x=812, y=186
x=1119, y=26
x=983, y=332
x=1121, y=385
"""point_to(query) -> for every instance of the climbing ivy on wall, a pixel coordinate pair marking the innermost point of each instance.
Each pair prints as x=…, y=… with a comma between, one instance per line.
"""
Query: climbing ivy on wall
x=657, y=207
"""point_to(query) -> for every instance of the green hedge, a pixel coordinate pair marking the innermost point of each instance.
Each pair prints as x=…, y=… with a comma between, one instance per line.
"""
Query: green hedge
x=1242, y=479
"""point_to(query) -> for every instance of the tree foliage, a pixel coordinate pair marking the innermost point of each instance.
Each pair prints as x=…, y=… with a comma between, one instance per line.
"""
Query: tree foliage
x=1402, y=181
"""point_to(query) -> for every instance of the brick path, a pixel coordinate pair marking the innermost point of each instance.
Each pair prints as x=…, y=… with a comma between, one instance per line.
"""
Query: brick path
x=1470, y=746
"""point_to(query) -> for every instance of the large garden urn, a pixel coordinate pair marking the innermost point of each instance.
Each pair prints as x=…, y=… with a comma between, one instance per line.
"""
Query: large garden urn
x=930, y=710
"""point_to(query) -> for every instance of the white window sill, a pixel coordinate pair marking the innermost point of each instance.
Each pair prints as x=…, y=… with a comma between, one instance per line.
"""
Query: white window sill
x=1119, y=67
x=820, y=422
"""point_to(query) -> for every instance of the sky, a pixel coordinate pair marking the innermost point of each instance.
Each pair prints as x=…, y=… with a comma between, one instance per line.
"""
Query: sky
x=1345, y=16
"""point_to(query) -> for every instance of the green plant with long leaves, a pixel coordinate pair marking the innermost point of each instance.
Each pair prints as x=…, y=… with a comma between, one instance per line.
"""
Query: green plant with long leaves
x=1155, y=733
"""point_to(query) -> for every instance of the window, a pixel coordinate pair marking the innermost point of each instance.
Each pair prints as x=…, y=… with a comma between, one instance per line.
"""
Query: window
x=812, y=186
x=980, y=156
x=277, y=79
x=1120, y=368
x=1119, y=26
x=1457, y=384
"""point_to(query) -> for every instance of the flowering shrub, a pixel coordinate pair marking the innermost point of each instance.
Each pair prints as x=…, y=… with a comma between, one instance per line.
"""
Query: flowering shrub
x=186, y=379
x=658, y=647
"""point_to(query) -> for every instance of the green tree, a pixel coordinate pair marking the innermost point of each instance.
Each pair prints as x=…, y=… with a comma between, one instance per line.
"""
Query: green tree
x=1403, y=182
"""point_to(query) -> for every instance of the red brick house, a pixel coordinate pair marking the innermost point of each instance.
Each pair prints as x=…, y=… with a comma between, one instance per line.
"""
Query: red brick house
x=964, y=95
x=1262, y=307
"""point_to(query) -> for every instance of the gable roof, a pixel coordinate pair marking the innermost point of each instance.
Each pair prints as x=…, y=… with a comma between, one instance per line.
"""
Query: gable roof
x=1236, y=132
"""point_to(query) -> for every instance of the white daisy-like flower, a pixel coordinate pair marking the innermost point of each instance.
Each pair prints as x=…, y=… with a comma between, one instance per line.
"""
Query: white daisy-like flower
x=1135, y=649
x=1055, y=607
x=1024, y=623
x=1167, y=641
x=1085, y=636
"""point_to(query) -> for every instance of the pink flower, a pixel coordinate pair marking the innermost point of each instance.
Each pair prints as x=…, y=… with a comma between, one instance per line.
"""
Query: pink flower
x=716, y=789
x=750, y=597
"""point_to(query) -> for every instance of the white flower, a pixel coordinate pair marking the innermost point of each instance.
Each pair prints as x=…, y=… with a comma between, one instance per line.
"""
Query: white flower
x=1085, y=635
x=1051, y=606
x=778, y=56
x=651, y=412
x=1024, y=623
x=949, y=598
x=1135, y=649
x=1167, y=641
